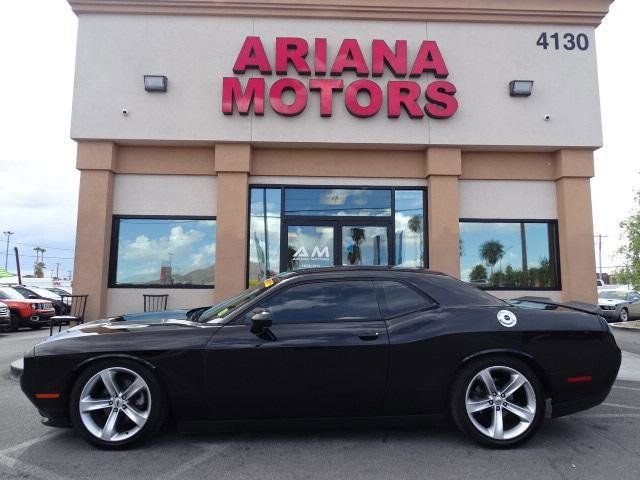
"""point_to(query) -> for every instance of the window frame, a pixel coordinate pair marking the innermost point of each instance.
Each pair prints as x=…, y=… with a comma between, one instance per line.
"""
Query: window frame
x=554, y=250
x=284, y=219
x=241, y=318
x=114, y=248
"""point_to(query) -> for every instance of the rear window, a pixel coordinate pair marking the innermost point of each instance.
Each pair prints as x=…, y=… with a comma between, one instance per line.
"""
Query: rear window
x=399, y=299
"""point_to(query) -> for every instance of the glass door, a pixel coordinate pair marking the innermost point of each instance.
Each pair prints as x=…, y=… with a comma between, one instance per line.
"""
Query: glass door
x=365, y=245
x=311, y=245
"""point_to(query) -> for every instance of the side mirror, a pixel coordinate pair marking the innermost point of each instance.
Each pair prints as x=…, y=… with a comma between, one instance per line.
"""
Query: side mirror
x=260, y=321
x=32, y=297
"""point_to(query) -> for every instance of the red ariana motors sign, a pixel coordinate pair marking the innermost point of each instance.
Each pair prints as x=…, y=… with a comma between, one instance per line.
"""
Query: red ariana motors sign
x=435, y=99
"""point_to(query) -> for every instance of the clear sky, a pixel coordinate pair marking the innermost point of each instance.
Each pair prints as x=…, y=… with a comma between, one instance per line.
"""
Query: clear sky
x=39, y=182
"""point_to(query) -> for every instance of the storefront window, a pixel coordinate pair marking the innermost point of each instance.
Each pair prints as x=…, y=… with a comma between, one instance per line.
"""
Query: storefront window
x=337, y=202
x=293, y=227
x=264, y=234
x=409, y=227
x=509, y=255
x=163, y=252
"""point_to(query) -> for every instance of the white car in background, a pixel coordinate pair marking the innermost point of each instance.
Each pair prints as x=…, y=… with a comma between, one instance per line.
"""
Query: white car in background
x=5, y=315
x=619, y=304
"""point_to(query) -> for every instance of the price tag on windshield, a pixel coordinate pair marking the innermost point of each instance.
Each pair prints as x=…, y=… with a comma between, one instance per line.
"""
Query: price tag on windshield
x=268, y=282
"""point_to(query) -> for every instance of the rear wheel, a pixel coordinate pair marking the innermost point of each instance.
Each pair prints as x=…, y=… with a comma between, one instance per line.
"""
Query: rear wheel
x=117, y=403
x=498, y=401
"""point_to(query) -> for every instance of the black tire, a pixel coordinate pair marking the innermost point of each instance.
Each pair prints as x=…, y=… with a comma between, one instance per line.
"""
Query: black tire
x=157, y=404
x=14, y=323
x=624, y=315
x=465, y=380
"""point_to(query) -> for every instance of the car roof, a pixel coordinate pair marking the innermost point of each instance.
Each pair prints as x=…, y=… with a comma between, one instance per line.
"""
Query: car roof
x=347, y=270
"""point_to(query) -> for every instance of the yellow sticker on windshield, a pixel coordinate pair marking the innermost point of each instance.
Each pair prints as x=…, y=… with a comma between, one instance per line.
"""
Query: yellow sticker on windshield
x=223, y=312
x=268, y=282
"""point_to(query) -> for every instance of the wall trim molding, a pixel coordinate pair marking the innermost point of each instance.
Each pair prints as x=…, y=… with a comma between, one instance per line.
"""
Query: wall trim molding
x=577, y=12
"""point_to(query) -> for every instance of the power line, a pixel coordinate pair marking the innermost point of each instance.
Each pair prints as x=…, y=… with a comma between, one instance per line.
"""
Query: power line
x=48, y=248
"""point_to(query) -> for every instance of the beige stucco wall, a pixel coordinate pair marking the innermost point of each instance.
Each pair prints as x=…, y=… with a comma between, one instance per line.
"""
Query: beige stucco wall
x=481, y=57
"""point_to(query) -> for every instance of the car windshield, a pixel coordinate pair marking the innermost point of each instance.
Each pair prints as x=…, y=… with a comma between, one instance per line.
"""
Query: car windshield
x=219, y=311
x=613, y=294
x=10, y=294
x=44, y=293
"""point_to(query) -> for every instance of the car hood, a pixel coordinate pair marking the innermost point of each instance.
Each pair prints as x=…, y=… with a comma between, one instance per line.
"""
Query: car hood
x=610, y=301
x=151, y=321
x=180, y=314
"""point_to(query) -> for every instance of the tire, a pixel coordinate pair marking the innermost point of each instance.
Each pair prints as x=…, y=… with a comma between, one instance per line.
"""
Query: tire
x=14, y=323
x=624, y=315
x=147, y=404
x=484, y=426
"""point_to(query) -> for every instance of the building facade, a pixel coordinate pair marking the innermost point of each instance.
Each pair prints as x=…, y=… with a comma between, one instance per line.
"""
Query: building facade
x=269, y=136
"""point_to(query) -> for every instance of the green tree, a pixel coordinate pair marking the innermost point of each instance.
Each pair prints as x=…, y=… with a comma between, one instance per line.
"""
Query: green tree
x=491, y=252
x=415, y=226
x=38, y=269
x=630, y=251
x=478, y=273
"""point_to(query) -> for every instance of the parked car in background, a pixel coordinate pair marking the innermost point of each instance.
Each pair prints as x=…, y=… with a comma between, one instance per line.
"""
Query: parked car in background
x=5, y=318
x=60, y=290
x=619, y=304
x=36, y=292
x=32, y=313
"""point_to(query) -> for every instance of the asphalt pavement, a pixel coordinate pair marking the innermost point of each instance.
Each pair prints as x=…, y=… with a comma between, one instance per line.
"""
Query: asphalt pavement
x=601, y=443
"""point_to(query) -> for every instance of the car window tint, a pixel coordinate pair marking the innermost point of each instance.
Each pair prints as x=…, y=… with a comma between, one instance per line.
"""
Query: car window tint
x=324, y=302
x=400, y=298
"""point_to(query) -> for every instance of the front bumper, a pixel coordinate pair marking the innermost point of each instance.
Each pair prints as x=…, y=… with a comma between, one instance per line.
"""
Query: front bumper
x=610, y=314
x=5, y=320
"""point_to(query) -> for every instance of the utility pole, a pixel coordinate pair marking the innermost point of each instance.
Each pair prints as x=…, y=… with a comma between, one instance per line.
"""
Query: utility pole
x=57, y=271
x=15, y=249
x=600, y=237
x=6, y=255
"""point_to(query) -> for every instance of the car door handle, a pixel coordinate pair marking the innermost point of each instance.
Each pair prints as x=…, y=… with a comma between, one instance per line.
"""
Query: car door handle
x=368, y=336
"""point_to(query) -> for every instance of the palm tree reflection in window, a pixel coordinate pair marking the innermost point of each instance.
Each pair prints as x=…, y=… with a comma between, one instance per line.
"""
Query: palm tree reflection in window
x=491, y=252
x=354, y=254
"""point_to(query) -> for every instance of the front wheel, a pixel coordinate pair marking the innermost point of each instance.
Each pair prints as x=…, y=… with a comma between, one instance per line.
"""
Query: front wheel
x=117, y=403
x=624, y=315
x=14, y=323
x=498, y=401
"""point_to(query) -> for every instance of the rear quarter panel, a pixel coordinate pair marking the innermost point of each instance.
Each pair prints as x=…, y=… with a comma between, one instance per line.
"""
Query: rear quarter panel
x=428, y=348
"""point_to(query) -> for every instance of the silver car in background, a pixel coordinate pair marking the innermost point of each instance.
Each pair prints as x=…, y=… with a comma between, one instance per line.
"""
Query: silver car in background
x=619, y=304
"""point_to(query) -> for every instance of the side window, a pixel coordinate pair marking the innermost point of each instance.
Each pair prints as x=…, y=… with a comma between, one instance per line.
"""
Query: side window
x=324, y=302
x=634, y=297
x=400, y=299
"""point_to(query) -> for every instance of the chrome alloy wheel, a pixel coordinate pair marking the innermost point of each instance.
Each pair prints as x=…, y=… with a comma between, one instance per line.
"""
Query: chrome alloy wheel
x=115, y=404
x=500, y=402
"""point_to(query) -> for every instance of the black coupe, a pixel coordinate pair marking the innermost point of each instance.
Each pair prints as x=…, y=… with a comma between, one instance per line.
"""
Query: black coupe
x=347, y=344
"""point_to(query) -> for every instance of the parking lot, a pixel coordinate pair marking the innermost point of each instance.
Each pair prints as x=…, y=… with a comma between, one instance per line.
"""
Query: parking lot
x=599, y=443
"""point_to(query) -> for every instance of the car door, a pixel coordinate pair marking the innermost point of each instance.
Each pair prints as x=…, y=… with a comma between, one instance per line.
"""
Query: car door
x=325, y=354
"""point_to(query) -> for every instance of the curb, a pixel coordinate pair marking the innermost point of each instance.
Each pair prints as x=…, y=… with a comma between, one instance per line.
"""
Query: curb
x=633, y=325
x=15, y=370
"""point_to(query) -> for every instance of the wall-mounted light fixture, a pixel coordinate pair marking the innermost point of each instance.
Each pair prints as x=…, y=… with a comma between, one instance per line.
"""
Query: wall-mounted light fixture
x=520, y=88
x=155, y=83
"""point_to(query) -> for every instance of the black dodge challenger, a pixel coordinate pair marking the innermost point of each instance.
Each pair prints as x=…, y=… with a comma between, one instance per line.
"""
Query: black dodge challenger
x=342, y=344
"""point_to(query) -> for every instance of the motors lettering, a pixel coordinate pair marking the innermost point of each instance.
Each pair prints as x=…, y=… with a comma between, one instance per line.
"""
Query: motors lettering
x=362, y=98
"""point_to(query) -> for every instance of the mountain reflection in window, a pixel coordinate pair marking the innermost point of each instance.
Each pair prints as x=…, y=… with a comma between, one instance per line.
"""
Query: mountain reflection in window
x=165, y=252
x=509, y=255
